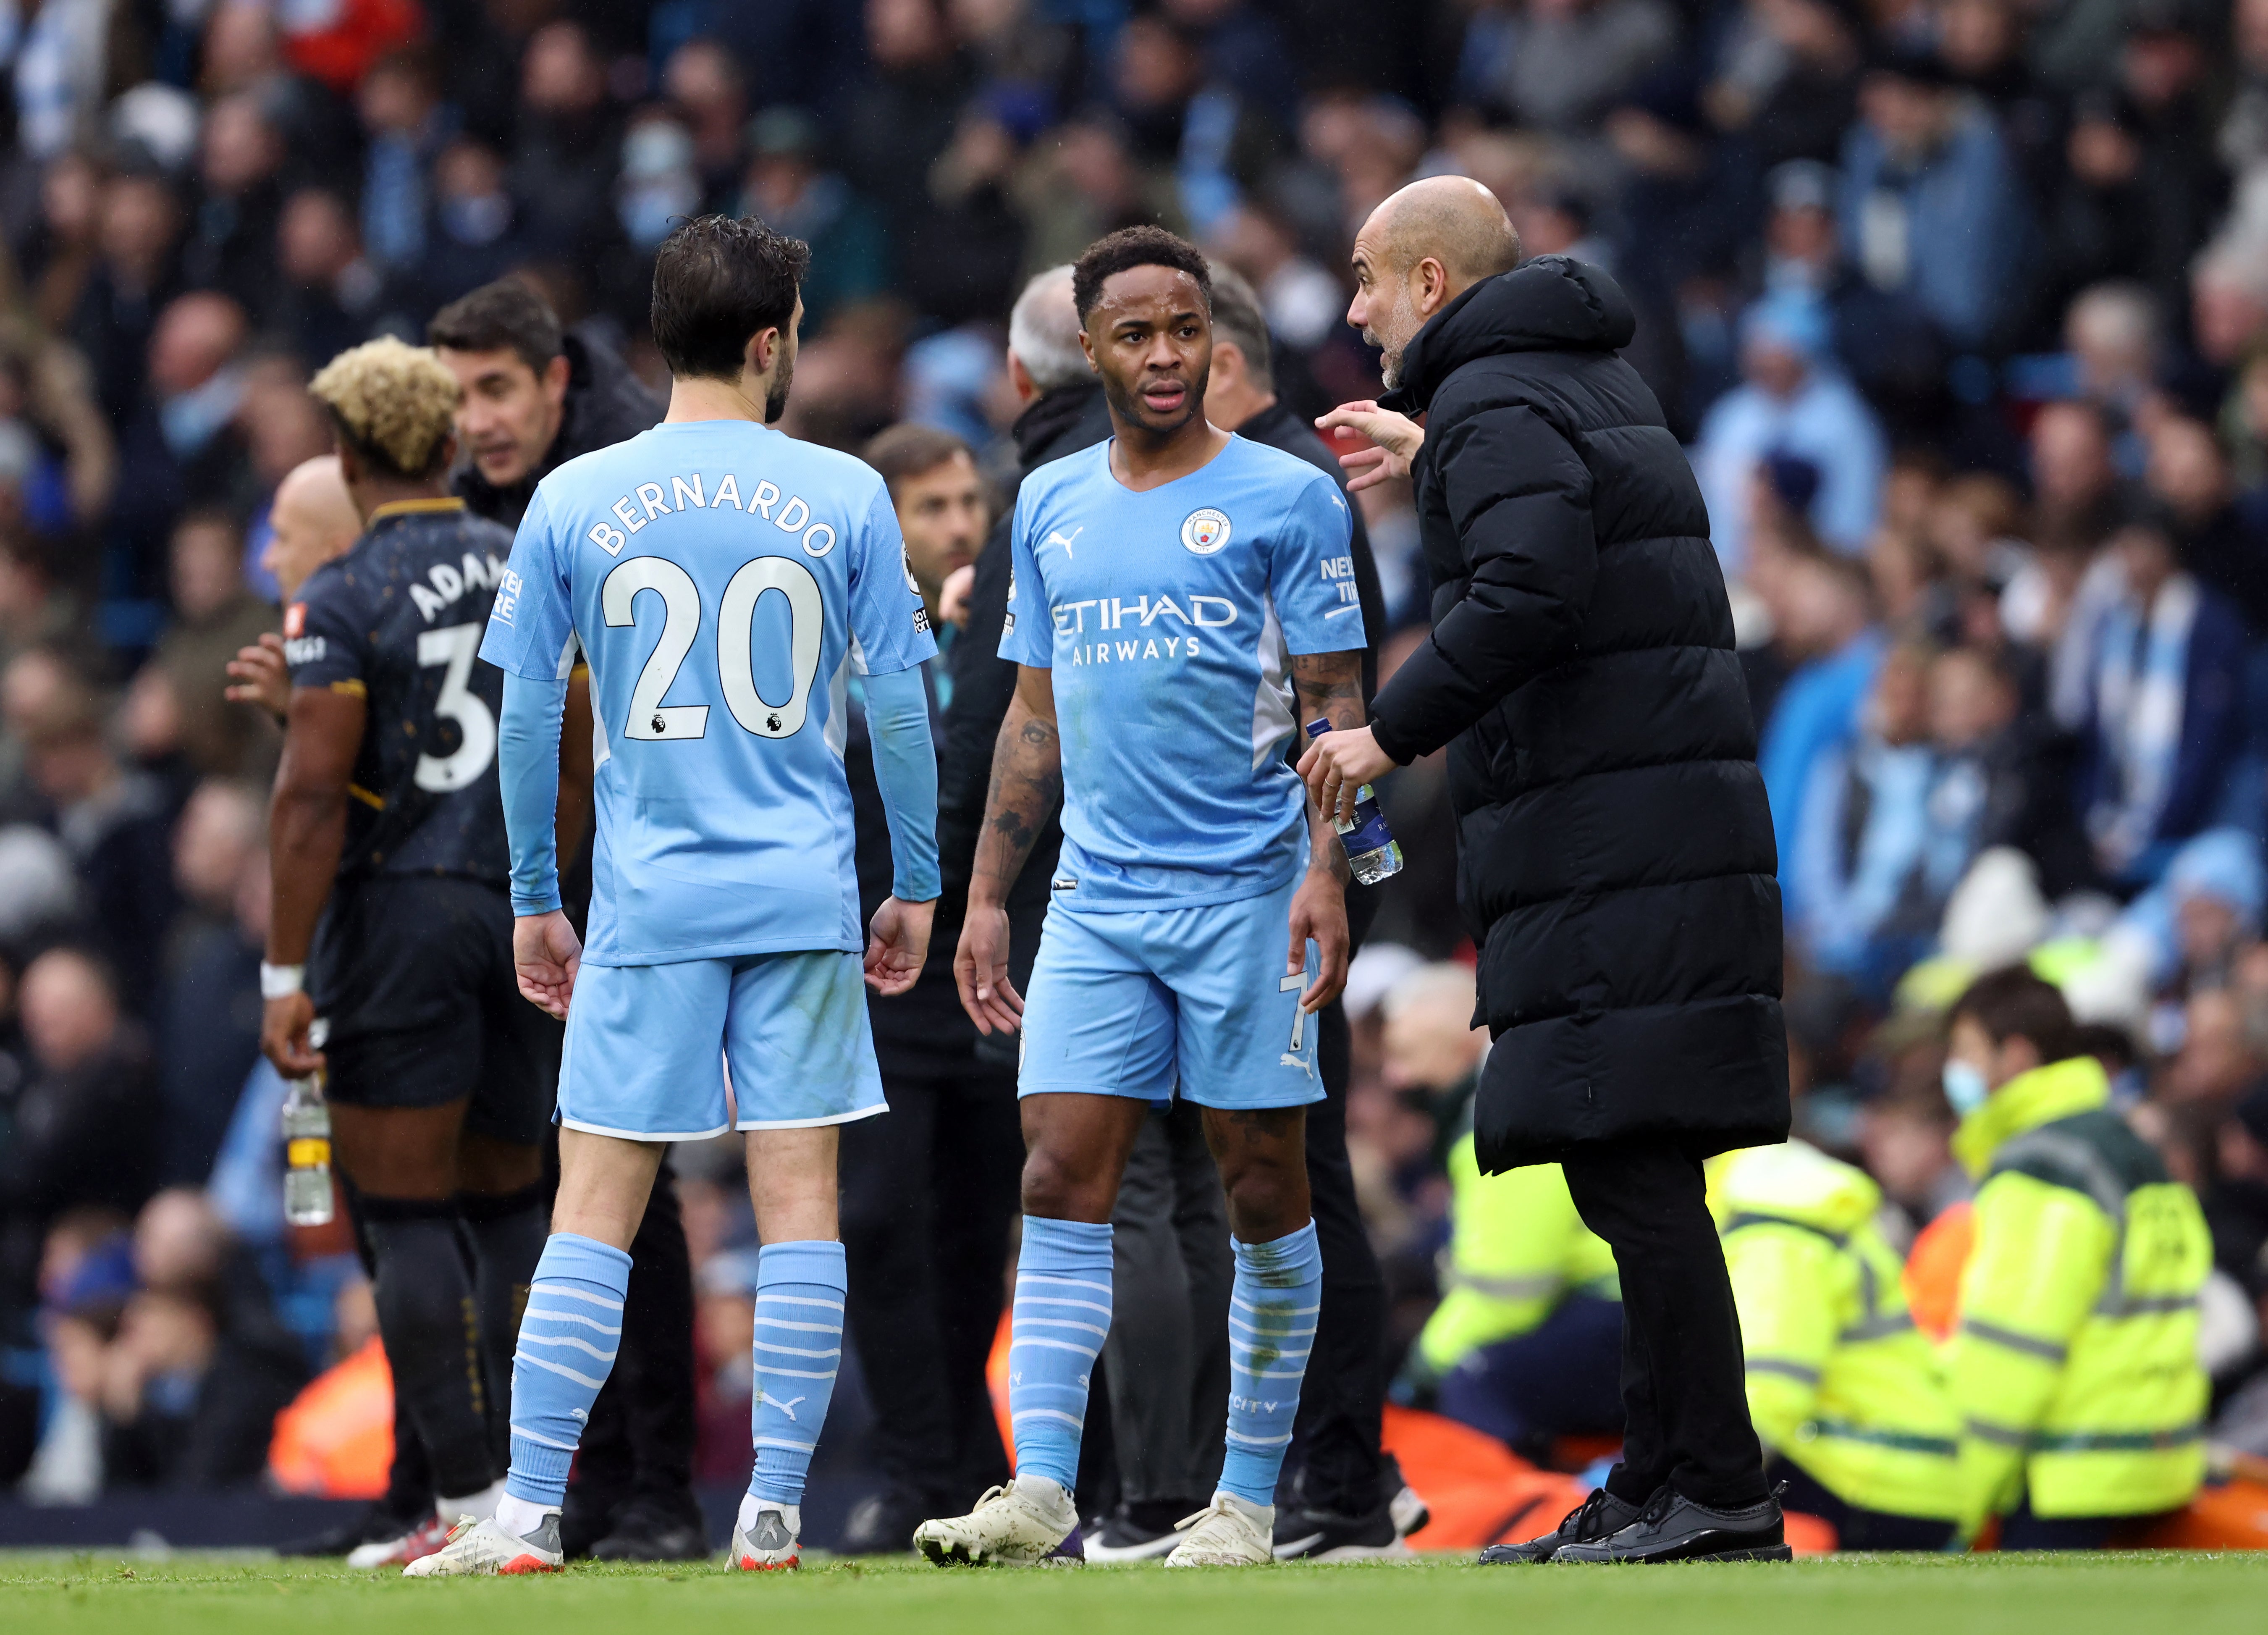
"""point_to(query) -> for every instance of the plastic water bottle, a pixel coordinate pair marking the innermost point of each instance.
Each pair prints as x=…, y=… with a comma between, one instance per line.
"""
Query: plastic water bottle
x=1371, y=850
x=307, y=1197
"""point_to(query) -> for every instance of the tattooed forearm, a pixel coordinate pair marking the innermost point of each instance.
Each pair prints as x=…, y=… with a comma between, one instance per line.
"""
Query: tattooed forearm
x=1027, y=786
x=1328, y=687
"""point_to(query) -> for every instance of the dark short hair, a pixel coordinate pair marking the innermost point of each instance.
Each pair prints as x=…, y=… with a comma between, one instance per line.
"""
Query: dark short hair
x=718, y=281
x=1135, y=247
x=909, y=450
x=505, y=314
x=2017, y=1003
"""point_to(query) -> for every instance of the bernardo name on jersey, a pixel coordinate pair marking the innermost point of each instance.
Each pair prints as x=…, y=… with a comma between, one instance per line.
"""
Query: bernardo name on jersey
x=723, y=580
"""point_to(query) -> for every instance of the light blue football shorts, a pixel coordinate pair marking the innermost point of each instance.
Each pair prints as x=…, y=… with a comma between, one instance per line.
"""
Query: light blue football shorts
x=1188, y=1001
x=648, y=1047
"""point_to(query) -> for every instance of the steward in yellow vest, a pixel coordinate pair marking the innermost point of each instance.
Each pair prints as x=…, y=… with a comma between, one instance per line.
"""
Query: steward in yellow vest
x=1527, y=1342
x=2075, y=1363
x=1843, y=1389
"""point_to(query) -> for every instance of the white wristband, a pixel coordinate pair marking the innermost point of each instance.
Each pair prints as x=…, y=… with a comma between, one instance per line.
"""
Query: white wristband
x=281, y=981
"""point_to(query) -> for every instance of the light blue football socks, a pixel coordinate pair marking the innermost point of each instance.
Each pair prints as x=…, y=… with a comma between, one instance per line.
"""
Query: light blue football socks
x=798, y=1348
x=1272, y=1307
x=1062, y=1314
x=568, y=1339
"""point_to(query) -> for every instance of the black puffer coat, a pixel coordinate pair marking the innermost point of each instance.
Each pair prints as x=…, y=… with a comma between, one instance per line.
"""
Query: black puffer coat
x=1616, y=858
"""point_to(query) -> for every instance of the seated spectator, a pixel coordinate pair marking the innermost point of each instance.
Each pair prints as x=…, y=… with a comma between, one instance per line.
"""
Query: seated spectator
x=475, y=237
x=1819, y=619
x=84, y=1126
x=116, y=824
x=1793, y=400
x=1887, y=830
x=200, y=1368
x=215, y=616
x=2223, y=545
x=2165, y=726
x=86, y=1277
x=787, y=186
x=1844, y=1390
x=1561, y=64
x=1395, y=1126
x=2229, y=301
x=405, y=125
x=180, y=444
x=705, y=86
x=230, y=245
x=1905, y=1142
x=134, y=279
x=332, y=297
x=2075, y=483
x=1788, y=78
x=208, y=1019
x=2000, y=775
x=2236, y=1206
x=660, y=184
x=1931, y=205
x=2115, y=336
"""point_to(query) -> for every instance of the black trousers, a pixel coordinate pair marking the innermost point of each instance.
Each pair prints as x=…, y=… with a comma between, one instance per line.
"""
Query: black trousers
x=1684, y=1402
x=1343, y=1400
x=638, y=1445
x=928, y=1190
x=1165, y=1365
x=1333, y=1460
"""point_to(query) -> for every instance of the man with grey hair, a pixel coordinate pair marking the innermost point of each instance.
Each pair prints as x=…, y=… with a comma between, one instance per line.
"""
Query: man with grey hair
x=1043, y=351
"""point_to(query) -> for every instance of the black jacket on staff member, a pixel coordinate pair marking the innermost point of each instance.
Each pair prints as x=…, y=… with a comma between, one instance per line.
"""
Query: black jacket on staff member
x=1616, y=857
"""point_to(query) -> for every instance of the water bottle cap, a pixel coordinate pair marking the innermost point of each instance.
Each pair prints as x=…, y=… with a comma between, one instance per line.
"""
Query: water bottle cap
x=1317, y=728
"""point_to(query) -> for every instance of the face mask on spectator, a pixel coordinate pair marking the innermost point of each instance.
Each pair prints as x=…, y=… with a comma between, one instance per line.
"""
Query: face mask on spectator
x=1965, y=1088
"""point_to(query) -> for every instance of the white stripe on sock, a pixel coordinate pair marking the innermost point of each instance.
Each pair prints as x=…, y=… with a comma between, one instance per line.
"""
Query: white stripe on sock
x=579, y=1379
x=1054, y=1345
x=564, y=1293
x=534, y=1310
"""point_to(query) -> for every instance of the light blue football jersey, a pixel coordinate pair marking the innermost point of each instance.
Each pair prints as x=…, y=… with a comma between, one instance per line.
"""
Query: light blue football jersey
x=723, y=581
x=1168, y=618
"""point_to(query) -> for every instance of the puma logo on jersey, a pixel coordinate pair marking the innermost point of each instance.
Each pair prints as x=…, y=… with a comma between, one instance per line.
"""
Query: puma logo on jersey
x=1057, y=536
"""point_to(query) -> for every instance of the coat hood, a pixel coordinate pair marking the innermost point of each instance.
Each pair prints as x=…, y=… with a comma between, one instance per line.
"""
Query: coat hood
x=1548, y=305
x=1795, y=1182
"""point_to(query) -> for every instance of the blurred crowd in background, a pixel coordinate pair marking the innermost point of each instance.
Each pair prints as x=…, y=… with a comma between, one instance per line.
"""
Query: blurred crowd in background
x=1961, y=306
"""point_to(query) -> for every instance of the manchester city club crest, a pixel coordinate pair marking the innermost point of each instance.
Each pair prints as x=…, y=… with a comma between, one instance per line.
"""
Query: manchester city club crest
x=1206, y=531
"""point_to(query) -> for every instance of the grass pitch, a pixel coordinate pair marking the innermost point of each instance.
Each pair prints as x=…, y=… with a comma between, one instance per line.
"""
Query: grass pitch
x=95, y=1594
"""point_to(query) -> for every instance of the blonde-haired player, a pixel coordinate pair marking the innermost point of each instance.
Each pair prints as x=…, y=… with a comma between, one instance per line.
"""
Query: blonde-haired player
x=392, y=917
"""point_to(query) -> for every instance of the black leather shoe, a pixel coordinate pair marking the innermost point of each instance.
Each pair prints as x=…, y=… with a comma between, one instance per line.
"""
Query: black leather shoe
x=1596, y=1517
x=655, y=1528
x=1672, y=1528
x=378, y=1522
x=883, y=1524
